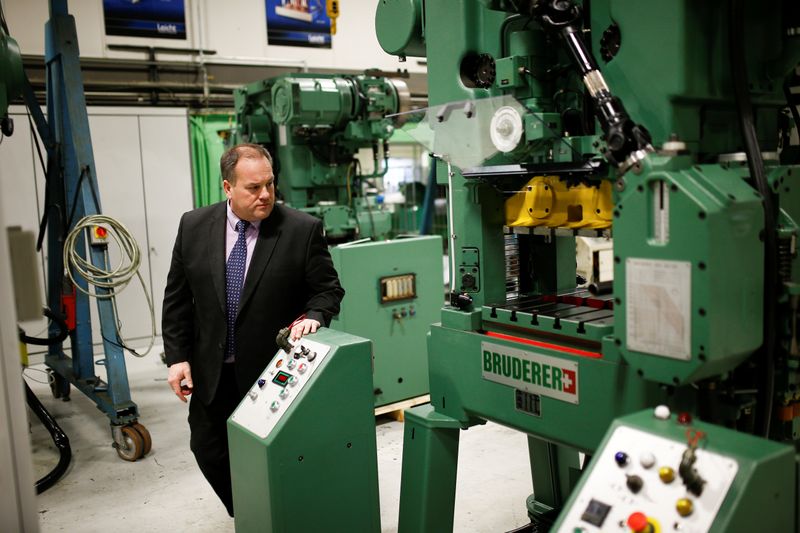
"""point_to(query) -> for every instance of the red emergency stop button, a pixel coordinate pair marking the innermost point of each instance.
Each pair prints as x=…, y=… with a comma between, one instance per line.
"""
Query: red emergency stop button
x=100, y=232
x=638, y=522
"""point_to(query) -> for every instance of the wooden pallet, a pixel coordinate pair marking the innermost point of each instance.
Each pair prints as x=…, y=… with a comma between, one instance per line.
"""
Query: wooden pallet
x=395, y=410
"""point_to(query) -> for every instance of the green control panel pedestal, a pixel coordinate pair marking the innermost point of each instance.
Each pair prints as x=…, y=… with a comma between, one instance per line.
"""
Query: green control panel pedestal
x=302, y=442
x=395, y=290
x=640, y=478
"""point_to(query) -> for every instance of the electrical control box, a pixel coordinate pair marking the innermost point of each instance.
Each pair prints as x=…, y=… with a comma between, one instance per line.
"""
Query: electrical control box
x=640, y=480
x=395, y=290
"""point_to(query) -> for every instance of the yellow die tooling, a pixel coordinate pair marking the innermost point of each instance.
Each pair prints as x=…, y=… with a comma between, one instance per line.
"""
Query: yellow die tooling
x=548, y=201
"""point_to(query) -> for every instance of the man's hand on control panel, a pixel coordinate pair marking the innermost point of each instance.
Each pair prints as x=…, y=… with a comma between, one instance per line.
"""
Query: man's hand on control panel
x=304, y=327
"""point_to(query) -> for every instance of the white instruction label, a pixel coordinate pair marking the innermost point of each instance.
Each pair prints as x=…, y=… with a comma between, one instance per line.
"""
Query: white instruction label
x=659, y=306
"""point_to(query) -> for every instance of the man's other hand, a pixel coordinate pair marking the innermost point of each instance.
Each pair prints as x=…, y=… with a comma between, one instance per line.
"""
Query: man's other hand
x=304, y=327
x=180, y=379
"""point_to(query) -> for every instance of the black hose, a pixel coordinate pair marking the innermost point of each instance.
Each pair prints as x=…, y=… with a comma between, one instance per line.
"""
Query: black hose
x=755, y=163
x=48, y=341
x=60, y=439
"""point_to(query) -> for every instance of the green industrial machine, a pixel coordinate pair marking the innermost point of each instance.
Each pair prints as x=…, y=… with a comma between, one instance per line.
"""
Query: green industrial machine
x=302, y=442
x=314, y=125
x=666, y=125
x=11, y=77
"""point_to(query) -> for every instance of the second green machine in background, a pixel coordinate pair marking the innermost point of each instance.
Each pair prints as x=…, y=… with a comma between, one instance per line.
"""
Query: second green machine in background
x=314, y=125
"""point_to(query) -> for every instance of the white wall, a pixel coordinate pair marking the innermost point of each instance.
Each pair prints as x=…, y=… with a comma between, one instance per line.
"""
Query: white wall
x=144, y=181
x=18, y=502
x=234, y=28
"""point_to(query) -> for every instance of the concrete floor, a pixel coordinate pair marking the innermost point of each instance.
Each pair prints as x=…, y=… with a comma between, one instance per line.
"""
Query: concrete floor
x=166, y=492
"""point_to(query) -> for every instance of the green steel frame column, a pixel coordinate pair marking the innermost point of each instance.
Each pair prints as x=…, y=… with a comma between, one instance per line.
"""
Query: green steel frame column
x=555, y=471
x=430, y=463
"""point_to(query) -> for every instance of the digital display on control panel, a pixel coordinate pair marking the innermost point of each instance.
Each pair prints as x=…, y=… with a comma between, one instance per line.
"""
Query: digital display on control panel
x=281, y=378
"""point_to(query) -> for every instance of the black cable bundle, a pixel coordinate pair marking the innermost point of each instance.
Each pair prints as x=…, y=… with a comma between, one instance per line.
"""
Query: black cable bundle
x=755, y=162
x=48, y=341
x=60, y=439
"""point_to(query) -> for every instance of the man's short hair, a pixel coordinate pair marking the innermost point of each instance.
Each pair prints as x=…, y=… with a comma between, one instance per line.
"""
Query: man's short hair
x=227, y=163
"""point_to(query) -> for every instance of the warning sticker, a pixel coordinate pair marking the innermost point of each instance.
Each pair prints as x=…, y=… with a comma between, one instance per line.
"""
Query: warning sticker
x=658, y=319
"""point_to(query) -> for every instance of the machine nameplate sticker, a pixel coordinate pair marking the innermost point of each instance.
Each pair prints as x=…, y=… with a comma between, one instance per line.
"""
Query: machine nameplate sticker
x=528, y=403
x=530, y=372
x=659, y=306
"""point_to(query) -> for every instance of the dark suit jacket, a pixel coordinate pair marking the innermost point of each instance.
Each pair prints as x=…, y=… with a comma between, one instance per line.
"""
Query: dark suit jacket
x=290, y=273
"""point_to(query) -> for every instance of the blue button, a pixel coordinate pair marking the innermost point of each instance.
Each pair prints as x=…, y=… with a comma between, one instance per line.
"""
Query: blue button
x=261, y=383
x=621, y=458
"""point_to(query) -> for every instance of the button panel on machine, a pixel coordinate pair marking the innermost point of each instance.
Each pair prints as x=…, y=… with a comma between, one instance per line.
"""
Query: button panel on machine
x=634, y=485
x=277, y=387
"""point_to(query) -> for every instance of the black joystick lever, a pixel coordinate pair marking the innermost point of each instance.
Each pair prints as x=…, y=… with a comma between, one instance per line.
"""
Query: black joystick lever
x=282, y=340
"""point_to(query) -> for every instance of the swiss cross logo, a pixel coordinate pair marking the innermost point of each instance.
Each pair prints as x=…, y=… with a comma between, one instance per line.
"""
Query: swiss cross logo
x=568, y=381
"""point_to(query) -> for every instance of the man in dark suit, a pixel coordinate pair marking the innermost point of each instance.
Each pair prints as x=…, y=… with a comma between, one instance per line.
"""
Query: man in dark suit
x=241, y=270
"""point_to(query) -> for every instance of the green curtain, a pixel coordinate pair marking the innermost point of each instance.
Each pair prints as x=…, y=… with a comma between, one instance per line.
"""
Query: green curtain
x=208, y=133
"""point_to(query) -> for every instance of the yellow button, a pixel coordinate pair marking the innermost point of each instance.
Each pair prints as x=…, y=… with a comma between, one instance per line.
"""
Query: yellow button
x=666, y=474
x=684, y=506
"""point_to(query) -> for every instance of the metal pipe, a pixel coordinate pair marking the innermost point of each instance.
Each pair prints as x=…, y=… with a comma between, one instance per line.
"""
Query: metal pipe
x=245, y=61
x=601, y=287
x=256, y=61
x=377, y=172
x=228, y=88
